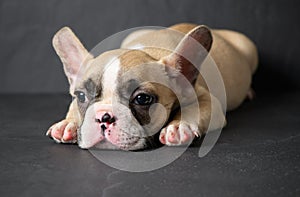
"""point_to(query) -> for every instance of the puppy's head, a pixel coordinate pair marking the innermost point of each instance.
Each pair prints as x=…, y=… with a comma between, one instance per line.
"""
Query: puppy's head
x=124, y=97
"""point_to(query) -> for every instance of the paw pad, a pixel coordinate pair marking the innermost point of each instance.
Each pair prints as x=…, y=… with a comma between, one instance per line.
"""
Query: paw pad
x=178, y=133
x=63, y=132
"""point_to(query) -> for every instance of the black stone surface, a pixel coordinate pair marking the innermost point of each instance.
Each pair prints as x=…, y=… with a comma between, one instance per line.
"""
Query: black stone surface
x=257, y=154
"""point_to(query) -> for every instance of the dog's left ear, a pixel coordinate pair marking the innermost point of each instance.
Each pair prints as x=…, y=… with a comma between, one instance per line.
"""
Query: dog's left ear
x=71, y=52
x=192, y=49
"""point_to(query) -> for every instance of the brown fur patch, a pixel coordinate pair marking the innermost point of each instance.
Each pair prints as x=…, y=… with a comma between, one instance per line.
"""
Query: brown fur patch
x=134, y=58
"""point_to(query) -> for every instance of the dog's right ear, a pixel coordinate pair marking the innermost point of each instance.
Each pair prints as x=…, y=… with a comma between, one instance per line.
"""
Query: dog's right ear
x=194, y=47
x=71, y=52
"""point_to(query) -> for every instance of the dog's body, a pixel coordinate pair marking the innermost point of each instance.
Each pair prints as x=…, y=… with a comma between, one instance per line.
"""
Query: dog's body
x=115, y=98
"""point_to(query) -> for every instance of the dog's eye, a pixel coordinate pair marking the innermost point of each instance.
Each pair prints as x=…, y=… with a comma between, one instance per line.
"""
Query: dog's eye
x=143, y=99
x=80, y=96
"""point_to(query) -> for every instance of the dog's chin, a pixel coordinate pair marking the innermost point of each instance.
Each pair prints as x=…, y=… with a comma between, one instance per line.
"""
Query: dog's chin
x=129, y=143
x=136, y=143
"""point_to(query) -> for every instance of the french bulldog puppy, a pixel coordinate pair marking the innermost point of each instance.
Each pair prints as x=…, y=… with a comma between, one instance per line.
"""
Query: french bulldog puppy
x=118, y=105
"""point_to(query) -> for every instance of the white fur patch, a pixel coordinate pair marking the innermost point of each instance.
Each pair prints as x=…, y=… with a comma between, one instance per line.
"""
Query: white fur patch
x=110, y=77
x=90, y=133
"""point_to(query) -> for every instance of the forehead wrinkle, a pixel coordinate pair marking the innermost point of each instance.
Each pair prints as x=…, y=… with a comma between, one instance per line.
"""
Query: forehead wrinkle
x=127, y=88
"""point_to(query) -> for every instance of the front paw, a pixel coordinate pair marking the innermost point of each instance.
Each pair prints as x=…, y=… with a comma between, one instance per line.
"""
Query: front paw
x=64, y=131
x=178, y=133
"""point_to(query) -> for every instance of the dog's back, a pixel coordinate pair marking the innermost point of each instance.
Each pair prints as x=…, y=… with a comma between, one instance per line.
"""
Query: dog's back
x=234, y=53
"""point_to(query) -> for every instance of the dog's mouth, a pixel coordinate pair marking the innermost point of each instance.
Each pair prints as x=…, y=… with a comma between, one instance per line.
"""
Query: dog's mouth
x=103, y=128
x=112, y=136
x=121, y=139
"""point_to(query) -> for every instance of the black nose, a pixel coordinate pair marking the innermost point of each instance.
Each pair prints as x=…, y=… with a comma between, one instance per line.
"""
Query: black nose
x=107, y=118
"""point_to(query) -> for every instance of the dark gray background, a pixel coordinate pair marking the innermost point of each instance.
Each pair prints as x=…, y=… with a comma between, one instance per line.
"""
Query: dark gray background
x=257, y=153
x=30, y=65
